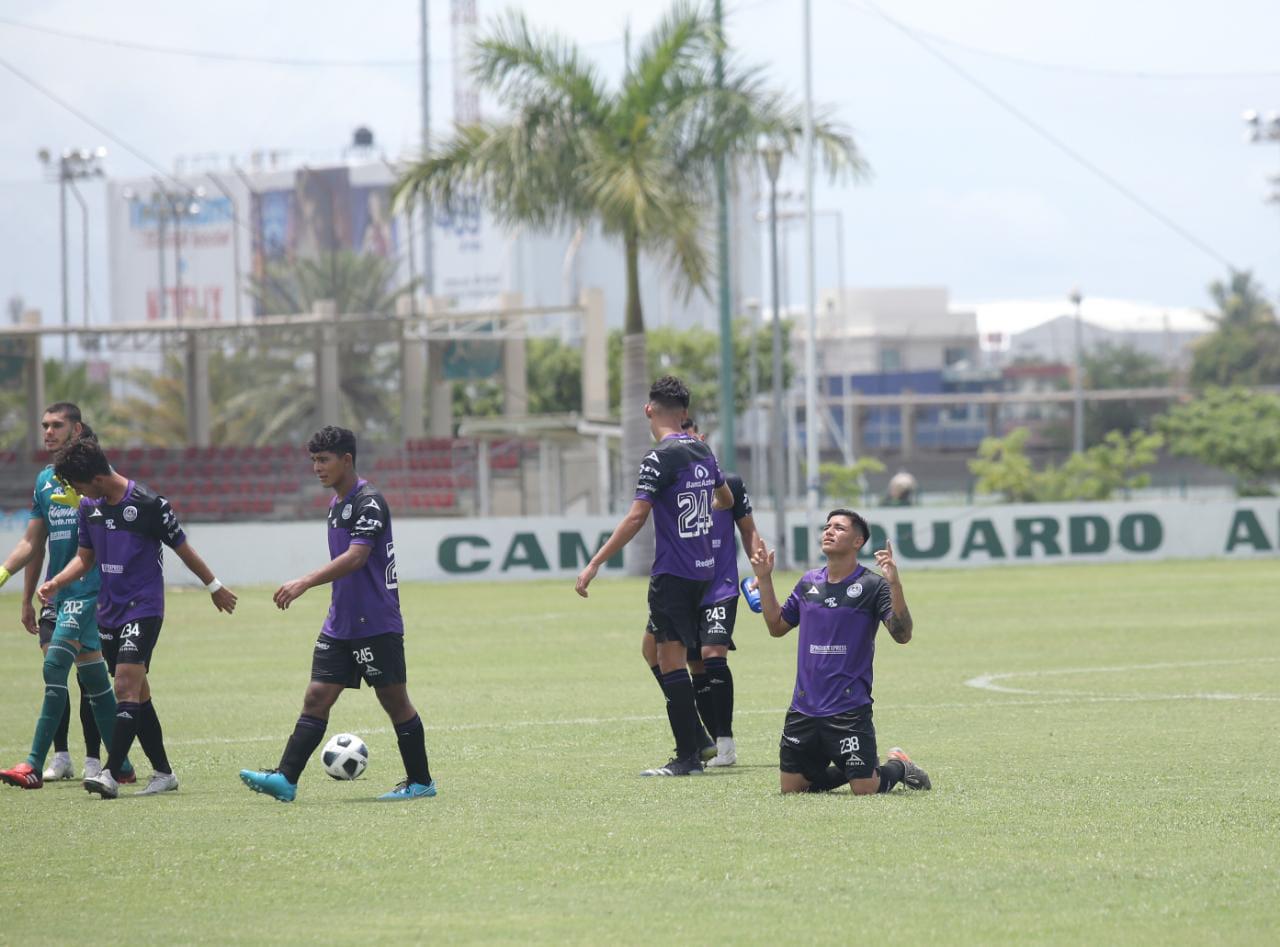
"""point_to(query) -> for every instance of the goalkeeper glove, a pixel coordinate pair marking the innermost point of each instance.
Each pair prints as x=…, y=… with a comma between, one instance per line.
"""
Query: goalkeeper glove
x=4, y=576
x=67, y=496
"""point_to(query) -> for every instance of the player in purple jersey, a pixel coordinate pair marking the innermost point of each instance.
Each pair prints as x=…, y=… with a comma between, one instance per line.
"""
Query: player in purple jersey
x=709, y=662
x=122, y=525
x=681, y=483
x=829, y=739
x=363, y=634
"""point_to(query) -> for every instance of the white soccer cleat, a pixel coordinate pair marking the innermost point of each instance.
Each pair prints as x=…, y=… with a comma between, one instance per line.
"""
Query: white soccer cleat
x=158, y=783
x=726, y=752
x=104, y=785
x=60, y=768
x=92, y=767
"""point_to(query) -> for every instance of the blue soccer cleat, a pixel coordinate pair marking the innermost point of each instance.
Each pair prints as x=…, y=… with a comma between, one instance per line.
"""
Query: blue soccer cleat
x=408, y=790
x=271, y=782
x=752, y=594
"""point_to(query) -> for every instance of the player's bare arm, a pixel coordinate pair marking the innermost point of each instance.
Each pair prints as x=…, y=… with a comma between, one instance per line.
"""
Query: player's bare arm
x=77, y=568
x=353, y=559
x=899, y=623
x=722, y=499
x=224, y=600
x=623, y=533
x=762, y=562
x=31, y=573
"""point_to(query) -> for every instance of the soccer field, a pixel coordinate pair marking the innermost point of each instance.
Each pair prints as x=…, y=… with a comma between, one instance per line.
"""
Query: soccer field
x=1104, y=743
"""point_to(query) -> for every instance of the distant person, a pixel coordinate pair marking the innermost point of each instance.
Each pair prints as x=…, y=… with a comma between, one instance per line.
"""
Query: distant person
x=681, y=483
x=122, y=526
x=67, y=626
x=902, y=490
x=363, y=635
x=829, y=738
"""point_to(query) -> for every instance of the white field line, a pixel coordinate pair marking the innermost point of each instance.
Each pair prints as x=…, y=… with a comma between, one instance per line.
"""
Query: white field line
x=988, y=682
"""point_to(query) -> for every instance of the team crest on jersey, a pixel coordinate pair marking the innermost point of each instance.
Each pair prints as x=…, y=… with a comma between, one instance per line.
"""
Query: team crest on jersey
x=130, y=514
x=346, y=512
x=854, y=590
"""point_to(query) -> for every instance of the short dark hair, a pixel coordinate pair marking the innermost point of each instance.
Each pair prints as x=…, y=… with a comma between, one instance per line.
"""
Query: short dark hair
x=859, y=523
x=81, y=461
x=67, y=409
x=689, y=424
x=331, y=439
x=669, y=392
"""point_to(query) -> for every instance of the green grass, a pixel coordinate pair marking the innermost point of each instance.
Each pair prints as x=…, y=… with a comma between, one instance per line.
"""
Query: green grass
x=1107, y=807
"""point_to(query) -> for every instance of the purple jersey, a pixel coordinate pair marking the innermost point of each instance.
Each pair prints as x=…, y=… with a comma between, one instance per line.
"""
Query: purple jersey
x=365, y=602
x=838, y=622
x=678, y=479
x=125, y=538
x=724, y=543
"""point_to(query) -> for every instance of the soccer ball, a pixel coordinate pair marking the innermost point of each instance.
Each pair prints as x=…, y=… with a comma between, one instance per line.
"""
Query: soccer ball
x=345, y=756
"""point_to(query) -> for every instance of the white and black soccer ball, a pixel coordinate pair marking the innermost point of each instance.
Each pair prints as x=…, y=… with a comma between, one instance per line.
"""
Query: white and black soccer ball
x=345, y=756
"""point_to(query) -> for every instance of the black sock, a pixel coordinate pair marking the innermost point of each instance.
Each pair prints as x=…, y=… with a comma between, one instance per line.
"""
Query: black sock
x=307, y=734
x=92, y=739
x=657, y=673
x=891, y=773
x=412, y=737
x=152, y=739
x=127, y=712
x=721, y=685
x=702, y=697
x=60, y=735
x=682, y=711
x=833, y=778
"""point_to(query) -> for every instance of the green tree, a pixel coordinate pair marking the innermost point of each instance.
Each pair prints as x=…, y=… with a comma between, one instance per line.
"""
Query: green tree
x=1120, y=366
x=555, y=377
x=1002, y=467
x=63, y=382
x=1244, y=349
x=847, y=484
x=1233, y=429
x=636, y=159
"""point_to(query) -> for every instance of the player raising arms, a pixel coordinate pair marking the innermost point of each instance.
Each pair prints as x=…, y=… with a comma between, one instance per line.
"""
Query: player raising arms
x=709, y=663
x=838, y=608
x=681, y=483
x=68, y=626
x=122, y=524
x=363, y=635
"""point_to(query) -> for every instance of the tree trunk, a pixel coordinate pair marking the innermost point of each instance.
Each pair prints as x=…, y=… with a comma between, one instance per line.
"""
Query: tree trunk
x=636, y=438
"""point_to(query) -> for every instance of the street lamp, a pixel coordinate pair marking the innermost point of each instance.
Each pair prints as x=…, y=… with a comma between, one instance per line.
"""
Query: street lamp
x=72, y=165
x=771, y=155
x=1078, y=380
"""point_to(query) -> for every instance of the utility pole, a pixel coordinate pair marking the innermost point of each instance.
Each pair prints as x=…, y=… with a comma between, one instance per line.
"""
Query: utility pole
x=1077, y=382
x=728, y=427
x=428, y=261
x=812, y=428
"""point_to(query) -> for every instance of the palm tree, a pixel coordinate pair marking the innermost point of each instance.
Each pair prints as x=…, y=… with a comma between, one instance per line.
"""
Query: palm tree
x=637, y=160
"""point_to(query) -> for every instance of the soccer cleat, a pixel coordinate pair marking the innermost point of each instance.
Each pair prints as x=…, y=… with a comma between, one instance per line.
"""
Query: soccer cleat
x=752, y=594
x=60, y=768
x=125, y=778
x=158, y=783
x=726, y=752
x=24, y=776
x=92, y=766
x=104, y=785
x=270, y=781
x=409, y=790
x=707, y=748
x=913, y=777
x=677, y=767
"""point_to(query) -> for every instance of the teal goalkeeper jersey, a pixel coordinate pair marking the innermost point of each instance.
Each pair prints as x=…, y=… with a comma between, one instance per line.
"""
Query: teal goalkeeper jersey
x=64, y=538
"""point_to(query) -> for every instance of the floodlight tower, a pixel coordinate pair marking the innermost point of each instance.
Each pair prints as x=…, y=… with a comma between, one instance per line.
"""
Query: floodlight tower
x=72, y=165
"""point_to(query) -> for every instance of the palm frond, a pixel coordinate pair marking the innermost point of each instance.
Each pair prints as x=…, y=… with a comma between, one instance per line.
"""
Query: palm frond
x=522, y=66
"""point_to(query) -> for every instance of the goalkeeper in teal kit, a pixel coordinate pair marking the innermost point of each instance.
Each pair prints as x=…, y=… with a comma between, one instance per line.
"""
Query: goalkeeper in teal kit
x=74, y=639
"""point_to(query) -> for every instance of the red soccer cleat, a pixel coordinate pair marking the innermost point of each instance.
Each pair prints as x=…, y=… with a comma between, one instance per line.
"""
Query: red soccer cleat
x=24, y=776
x=129, y=777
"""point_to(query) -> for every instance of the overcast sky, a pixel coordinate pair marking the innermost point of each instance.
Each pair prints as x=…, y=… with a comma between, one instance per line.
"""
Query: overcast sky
x=964, y=194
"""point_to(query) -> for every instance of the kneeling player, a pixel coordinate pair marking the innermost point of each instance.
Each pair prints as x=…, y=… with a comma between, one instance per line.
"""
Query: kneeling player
x=838, y=609
x=363, y=635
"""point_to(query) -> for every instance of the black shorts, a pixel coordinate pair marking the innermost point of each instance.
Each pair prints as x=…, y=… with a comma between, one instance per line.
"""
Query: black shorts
x=378, y=660
x=809, y=744
x=675, y=608
x=130, y=643
x=48, y=621
x=715, y=624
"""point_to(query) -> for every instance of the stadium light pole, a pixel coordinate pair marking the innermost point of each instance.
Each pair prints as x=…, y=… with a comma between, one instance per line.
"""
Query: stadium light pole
x=771, y=155
x=811, y=427
x=72, y=165
x=728, y=420
x=428, y=249
x=235, y=237
x=1077, y=427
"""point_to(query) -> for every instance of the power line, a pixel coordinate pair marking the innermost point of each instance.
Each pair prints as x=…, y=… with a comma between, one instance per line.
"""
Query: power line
x=1102, y=175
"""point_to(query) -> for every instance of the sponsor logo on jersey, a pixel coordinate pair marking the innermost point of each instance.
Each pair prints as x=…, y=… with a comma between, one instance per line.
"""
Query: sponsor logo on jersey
x=111, y=524
x=830, y=601
x=854, y=590
x=701, y=472
x=704, y=563
x=322, y=646
x=60, y=534
x=828, y=649
x=112, y=568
